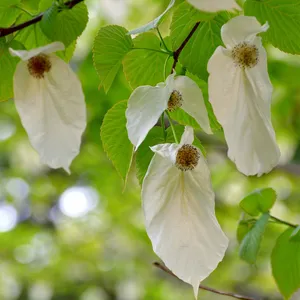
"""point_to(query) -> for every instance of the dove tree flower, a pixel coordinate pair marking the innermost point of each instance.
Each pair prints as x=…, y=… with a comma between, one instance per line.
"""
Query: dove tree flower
x=179, y=209
x=147, y=103
x=240, y=92
x=50, y=101
x=214, y=5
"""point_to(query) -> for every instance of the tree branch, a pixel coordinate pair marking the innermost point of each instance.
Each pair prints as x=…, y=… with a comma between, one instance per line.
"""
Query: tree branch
x=179, y=50
x=205, y=288
x=7, y=31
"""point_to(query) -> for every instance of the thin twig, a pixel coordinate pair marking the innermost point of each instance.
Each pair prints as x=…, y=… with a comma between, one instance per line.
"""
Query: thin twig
x=7, y=31
x=205, y=288
x=284, y=222
x=180, y=49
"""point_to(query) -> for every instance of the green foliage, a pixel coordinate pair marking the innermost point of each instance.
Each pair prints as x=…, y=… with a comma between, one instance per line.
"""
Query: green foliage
x=115, y=139
x=260, y=201
x=183, y=118
x=7, y=66
x=153, y=24
x=284, y=20
x=184, y=19
x=205, y=40
x=111, y=45
x=8, y=12
x=243, y=228
x=285, y=261
x=64, y=25
x=251, y=242
x=146, y=67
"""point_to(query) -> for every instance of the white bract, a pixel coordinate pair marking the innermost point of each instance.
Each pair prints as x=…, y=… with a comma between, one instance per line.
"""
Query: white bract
x=179, y=209
x=50, y=102
x=147, y=103
x=214, y=5
x=240, y=92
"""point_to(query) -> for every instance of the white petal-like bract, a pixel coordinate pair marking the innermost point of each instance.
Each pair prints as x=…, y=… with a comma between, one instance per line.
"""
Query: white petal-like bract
x=240, y=92
x=214, y=5
x=241, y=29
x=193, y=101
x=48, y=49
x=180, y=216
x=145, y=106
x=51, y=107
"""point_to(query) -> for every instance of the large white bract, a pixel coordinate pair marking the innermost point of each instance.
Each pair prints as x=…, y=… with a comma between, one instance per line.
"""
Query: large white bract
x=50, y=102
x=214, y=5
x=240, y=92
x=179, y=212
x=147, y=103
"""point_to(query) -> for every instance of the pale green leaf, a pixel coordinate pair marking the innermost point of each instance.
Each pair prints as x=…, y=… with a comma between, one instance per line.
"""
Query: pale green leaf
x=153, y=24
x=146, y=67
x=9, y=12
x=202, y=45
x=283, y=17
x=7, y=66
x=251, y=243
x=260, y=201
x=66, y=25
x=285, y=262
x=115, y=139
x=111, y=45
x=184, y=19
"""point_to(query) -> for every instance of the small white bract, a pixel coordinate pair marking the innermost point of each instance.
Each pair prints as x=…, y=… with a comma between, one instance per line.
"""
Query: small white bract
x=240, y=92
x=147, y=103
x=50, y=102
x=179, y=209
x=214, y=5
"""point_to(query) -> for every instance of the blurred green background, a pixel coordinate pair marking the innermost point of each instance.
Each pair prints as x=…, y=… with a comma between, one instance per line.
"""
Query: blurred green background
x=81, y=237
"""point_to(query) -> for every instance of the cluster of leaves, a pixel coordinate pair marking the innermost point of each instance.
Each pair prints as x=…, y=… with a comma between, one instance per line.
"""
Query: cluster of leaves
x=285, y=255
x=146, y=60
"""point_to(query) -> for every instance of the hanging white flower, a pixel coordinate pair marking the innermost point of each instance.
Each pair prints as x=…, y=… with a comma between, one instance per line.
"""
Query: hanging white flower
x=240, y=92
x=147, y=103
x=50, y=102
x=214, y=5
x=179, y=209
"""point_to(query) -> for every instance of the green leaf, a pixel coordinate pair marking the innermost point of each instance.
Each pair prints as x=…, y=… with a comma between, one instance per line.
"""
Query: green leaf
x=9, y=12
x=155, y=136
x=144, y=154
x=184, y=118
x=66, y=25
x=115, y=139
x=153, y=24
x=146, y=67
x=285, y=262
x=202, y=45
x=295, y=236
x=243, y=228
x=7, y=66
x=260, y=201
x=284, y=19
x=111, y=45
x=184, y=19
x=251, y=243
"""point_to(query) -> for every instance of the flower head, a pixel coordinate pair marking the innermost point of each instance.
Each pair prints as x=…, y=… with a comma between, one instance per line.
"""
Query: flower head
x=50, y=102
x=179, y=209
x=147, y=103
x=240, y=92
x=214, y=5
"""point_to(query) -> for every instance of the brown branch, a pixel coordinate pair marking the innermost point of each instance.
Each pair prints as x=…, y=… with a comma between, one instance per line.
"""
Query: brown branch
x=7, y=31
x=205, y=288
x=179, y=50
